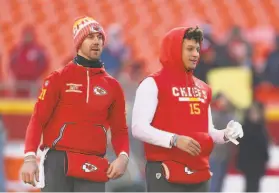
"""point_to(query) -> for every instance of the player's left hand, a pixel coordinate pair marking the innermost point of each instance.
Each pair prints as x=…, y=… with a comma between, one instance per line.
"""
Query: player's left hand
x=117, y=167
x=234, y=130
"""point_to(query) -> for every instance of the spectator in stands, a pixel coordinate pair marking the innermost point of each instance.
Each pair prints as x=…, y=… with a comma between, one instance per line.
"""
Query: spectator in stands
x=271, y=72
x=257, y=76
x=28, y=62
x=2, y=145
x=253, y=148
x=222, y=112
x=207, y=60
x=220, y=49
x=116, y=54
x=239, y=50
x=207, y=31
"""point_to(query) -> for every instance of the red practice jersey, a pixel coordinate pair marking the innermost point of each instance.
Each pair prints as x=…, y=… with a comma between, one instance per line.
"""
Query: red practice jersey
x=76, y=107
x=183, y=102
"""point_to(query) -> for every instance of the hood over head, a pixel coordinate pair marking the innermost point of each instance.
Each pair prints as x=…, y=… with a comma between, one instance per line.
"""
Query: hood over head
x=171, y=50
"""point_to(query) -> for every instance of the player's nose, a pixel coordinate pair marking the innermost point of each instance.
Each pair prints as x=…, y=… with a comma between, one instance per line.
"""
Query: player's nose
x=196, y=53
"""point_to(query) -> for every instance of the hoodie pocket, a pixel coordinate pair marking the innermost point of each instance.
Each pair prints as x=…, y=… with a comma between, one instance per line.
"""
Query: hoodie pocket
x=61, y=132
x=83, y=137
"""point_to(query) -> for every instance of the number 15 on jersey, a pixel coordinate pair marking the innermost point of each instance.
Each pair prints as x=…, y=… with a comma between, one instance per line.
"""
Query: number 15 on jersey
x=195, y=109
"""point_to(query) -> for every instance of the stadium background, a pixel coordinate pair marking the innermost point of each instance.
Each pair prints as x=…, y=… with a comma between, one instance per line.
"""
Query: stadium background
x=142, y=24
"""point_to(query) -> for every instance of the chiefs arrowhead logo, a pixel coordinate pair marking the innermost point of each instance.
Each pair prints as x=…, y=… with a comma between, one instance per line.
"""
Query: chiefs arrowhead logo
x=158, y=175
x=188, y=171
x=99, y=91
x=87, y=167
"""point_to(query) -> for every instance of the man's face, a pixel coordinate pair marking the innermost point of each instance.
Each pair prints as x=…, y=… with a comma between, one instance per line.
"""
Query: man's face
x=92, y=46
x=190, y=53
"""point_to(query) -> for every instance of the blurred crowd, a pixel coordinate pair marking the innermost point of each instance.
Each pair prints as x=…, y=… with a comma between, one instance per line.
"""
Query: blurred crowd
x=28, y=64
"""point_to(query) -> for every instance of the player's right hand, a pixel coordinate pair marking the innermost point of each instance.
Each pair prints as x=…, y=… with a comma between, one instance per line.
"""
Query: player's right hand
x=30, y=170
x=189, y=145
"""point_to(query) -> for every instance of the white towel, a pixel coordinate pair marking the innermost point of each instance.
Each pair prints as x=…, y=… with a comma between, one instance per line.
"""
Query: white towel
x=41, y=182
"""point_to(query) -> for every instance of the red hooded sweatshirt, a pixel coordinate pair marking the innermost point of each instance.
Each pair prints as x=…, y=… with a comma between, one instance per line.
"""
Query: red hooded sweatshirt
x=183, y=102
x=76, y=107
